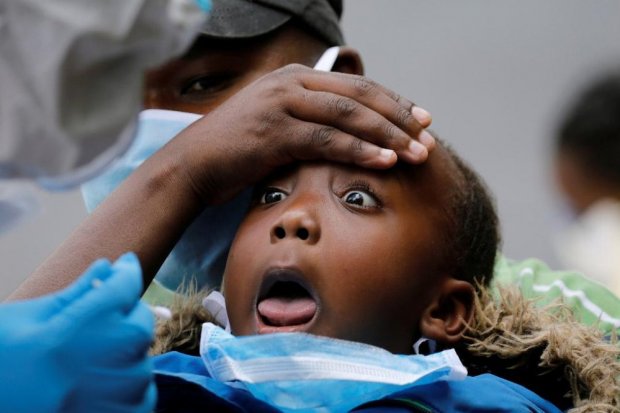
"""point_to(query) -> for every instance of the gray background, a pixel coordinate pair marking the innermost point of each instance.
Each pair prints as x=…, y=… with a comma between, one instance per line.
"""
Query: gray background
x=494, y=74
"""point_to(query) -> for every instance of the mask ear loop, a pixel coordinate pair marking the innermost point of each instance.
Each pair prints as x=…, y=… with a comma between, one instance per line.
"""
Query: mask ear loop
x=215, y=304
x=425, y=346
x=327, y=59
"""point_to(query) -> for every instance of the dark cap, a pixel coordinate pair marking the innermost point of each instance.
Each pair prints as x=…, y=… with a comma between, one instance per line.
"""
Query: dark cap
x=239, y=19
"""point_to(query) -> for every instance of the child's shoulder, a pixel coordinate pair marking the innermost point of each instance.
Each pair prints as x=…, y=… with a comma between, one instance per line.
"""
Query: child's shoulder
x=544, y=348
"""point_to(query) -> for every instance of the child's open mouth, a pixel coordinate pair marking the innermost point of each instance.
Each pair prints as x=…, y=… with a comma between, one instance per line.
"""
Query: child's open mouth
x=284, y=304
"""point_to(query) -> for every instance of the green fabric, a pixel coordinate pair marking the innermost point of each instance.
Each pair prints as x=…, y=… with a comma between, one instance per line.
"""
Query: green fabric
x=418, y=406
x=157, y=294
x=592, y=303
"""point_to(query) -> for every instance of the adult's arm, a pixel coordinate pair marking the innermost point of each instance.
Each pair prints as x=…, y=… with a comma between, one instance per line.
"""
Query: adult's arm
x=292, y=114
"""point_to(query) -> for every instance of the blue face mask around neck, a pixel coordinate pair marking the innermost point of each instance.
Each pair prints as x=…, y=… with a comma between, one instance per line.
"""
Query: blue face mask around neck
x=298, y=372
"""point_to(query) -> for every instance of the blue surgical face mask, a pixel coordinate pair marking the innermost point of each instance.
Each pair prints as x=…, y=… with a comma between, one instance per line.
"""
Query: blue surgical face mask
x=202, y=251
x=298, y=372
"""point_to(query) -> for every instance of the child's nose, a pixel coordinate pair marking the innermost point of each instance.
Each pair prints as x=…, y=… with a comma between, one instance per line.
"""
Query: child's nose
x=296, y=224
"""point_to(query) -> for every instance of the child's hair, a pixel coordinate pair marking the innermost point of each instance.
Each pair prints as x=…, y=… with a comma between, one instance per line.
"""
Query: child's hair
x=474, y=240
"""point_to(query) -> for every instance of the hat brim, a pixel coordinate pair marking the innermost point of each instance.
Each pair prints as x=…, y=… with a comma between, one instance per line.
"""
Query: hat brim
x=235, y=19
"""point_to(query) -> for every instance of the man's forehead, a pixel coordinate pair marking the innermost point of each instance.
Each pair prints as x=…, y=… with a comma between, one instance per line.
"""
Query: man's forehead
x=286, y=40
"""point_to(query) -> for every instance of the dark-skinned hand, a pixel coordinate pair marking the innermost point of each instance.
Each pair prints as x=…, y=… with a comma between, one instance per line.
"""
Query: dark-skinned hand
x=298, y=114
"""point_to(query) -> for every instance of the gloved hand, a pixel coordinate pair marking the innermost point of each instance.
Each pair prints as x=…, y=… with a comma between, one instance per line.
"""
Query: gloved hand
x=82, y=349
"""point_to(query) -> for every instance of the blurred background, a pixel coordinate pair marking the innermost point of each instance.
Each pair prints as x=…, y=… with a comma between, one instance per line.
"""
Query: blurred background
x=495, y=75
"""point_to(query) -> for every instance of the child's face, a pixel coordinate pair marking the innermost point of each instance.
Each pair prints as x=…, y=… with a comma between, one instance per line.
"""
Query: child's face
x=340, y=251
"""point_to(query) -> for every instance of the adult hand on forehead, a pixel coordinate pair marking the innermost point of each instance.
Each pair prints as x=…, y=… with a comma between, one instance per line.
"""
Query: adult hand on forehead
x=296, y=113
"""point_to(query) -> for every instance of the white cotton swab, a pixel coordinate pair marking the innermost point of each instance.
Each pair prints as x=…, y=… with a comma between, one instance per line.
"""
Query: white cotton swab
x=161, y=312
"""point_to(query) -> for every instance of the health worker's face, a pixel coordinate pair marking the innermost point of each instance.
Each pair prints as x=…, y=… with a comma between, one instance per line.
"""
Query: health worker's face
x=339, y=251
x=214, y=70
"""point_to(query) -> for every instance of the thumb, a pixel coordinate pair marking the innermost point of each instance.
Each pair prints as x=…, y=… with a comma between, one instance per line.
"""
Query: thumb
x=127, y=280
x=99, y=271
x=120, y=291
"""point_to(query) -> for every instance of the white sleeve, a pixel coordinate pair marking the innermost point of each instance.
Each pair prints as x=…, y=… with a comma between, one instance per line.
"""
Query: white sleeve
x=71, y=80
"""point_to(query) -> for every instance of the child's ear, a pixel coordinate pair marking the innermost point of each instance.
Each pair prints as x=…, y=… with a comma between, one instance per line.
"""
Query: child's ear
x=349, y=61
x=445, y=319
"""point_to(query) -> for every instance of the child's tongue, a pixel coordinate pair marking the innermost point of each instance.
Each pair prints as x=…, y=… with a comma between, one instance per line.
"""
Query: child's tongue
x=285, y=311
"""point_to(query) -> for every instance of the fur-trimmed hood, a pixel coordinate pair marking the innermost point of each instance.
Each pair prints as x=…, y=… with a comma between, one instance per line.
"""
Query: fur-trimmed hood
x=544, y=349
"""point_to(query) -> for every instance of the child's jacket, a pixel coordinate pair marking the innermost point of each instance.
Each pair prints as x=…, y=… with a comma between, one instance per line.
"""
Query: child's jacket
x=184, y=386
x=519, y=358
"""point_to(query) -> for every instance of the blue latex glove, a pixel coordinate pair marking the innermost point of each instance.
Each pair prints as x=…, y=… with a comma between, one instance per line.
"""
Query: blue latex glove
x=83, y=349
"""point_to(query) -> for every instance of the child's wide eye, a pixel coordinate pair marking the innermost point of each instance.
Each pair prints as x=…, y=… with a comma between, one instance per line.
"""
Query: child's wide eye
x=360, y=198
x=272, y=195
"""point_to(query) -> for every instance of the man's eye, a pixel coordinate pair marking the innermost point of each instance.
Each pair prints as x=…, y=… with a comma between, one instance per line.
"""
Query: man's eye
x=272, y=195
x=207, y=84
x=360, y=198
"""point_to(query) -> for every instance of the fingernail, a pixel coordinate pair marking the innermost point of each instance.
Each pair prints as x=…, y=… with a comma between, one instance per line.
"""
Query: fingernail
x=417, y=149
x=426, y=139
x=421, y=115
x=387, y=154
